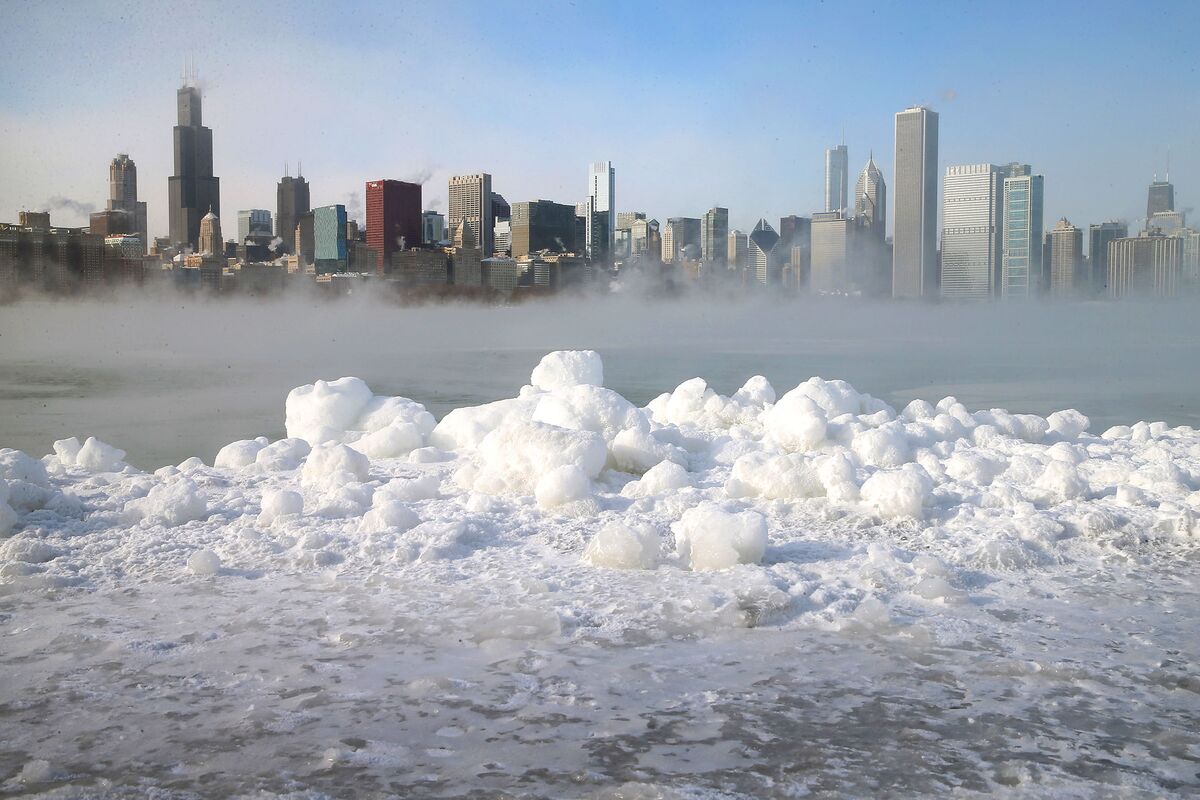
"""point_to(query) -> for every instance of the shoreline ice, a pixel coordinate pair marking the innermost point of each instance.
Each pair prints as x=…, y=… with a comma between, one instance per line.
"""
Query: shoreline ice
x=566, y=517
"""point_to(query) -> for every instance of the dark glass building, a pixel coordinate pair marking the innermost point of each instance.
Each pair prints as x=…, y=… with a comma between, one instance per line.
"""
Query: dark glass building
x=193, y=191
x=393, y=218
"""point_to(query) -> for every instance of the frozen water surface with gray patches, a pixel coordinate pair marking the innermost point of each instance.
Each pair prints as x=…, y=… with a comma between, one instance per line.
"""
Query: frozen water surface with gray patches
x=762, y=589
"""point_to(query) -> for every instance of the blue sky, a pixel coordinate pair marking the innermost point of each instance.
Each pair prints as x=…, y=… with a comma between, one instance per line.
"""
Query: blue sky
x=696, y=104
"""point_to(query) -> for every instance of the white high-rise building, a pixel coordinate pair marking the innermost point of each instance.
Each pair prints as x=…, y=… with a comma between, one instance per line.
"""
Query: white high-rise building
x=837, y=175
x=471, y=200
x=870, y=199
x=914, y=192
x=972, y=233
x=602, y=216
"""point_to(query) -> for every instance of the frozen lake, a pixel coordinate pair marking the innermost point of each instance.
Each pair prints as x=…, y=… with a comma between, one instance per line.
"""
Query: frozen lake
x=948, y=604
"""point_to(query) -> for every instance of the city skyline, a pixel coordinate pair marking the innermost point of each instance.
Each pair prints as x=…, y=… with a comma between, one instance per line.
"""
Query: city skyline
x=777, y=171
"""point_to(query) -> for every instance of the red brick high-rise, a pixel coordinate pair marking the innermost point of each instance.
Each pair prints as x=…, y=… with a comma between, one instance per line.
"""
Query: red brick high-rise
x=393, y=217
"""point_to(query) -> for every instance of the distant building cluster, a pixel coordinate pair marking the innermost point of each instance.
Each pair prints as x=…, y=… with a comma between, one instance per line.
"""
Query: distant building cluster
x=993, y=244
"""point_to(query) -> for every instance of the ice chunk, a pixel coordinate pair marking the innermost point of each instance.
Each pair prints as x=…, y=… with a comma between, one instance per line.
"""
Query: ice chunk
x=896, y=493
x=397, y=439
x=562, y=485
x=243, y=453
x=974, y=467
x=323, y=411
x=590, y=408
x=796, y=422
x=169, y=504
x=204, y=562
x=96, y=456
x=636, y=450
x=466, y=428
x=514, y=457
x=664, y=478
x=565, y=368
x=624, y=546
x=1069, y=424
x=774, y=477
x=388, y=513
x=283, y=455
x=334, y=465
x=886, y=446
x=67, y=450
x=278, y=503
x=755, y=392
x=707, y=537
x=1060, y=480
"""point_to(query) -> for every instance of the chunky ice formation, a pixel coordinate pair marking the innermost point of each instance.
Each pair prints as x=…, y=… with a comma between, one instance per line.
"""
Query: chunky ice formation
x=708, y=537
x=822, y=505
x=623, y=546
x=563, y=369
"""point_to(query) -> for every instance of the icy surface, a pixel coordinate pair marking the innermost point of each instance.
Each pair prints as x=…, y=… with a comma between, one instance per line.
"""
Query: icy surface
x=562, y=594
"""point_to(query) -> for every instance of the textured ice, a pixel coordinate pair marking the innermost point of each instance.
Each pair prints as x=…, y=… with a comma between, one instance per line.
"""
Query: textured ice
x=566, y=563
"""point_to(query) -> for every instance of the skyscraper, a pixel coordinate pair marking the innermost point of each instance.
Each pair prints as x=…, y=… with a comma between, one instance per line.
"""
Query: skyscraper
x=123, y=193
x=291, y=203
x=193, y=191
x=208, y=237
x=1021, y=260
x=542, y=225
x=681, y=239
x=1099, y=235
x=253, y=222
x=330, y=251
x=914, y=236
x=737, y=249
x=1160, y=197
x=433, y=227
x=836, y=178
x=870, y=199
x=1066, y=259
x=471, y=200
x=972, y=233
x=1145, y=265
x=601, y=219
x=714, y=233
x=762, y=259
x=394, y=218
x=832, y=251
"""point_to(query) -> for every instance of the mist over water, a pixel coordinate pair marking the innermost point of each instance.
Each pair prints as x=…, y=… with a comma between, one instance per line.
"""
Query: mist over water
x=169, y=377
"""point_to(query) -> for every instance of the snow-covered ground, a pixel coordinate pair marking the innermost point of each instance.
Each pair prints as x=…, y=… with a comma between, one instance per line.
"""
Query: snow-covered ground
x=565, y=595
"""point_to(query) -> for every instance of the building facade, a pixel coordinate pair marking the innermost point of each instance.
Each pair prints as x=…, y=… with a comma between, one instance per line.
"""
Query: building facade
x=542, y=225
x=830, y=263
x=193, y=190
x=331, y=253
x=762, y=261
x=681, y=240
x=254, y=223
x=393, y=218
x=1160, y=197
x=471, y=200
x=291, y=203
x=1066, y=261
x=602, y=215
x=123, y=195
x=714, y=236
x=1099, y=237
x=1147, y=265
x=870, y=199
x=914, y=187
x=837, y=165
x=1021, y=261
x=972, y=232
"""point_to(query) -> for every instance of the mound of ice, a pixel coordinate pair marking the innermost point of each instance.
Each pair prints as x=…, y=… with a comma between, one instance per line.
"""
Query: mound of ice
x=347, y=411
x=278, y=503
x=562, y=485
x=333, y=465
x=466, y=428
x=204, y=562
x=169, y=504
x=243, y=453
x=796, y=422
x=897, y=493
x=515, y=457
x=624, y=546
x=93, y=455
x=563, y=369
x=665, y=478
x=708, y=537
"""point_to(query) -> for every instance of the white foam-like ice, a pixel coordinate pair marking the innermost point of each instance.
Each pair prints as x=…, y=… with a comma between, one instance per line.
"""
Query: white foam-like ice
x=567, y=513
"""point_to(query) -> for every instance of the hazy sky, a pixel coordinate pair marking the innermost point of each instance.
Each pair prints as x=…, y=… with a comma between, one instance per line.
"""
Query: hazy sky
x=730, y=104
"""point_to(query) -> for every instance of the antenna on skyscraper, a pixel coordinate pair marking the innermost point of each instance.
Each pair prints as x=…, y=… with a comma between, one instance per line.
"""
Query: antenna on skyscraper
x=299, y=169
x=1168, y=165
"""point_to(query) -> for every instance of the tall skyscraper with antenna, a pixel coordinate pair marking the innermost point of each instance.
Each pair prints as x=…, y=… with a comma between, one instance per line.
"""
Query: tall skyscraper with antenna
x=291, y=203
x=193, y=190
